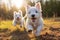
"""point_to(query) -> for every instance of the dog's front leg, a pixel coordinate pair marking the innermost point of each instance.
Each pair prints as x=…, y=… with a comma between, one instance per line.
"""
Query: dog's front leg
x=21, y=23
x=14, y=23
x=29, y=28
x=39, y=28
x=30, y=31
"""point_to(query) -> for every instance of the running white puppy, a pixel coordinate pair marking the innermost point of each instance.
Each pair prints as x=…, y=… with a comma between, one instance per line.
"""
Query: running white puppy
x=34, y=19
x=18, y=18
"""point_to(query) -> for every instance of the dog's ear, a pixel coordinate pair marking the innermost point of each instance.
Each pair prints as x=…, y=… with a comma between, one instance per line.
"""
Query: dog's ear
x=20, y=11
x=27, y=6
x=14, y=12
x=38, y=5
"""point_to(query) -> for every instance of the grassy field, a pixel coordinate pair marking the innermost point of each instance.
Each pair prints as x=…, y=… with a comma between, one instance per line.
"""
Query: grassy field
x=51, y=31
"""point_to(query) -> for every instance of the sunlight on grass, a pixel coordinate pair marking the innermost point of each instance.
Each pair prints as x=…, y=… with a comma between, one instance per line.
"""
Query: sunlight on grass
x=46, y=29
x=8, y=24
x=50, y=22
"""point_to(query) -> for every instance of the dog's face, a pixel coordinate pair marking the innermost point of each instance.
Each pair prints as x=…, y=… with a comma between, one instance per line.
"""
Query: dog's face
x=34, y=13
x=17, y=15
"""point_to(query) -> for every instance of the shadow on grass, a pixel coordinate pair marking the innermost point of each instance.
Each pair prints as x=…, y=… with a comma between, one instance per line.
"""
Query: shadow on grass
x=22, y=35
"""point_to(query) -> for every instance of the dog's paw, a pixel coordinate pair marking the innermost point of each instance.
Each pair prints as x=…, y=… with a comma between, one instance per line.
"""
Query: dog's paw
x=29, y=31
x=21, y=26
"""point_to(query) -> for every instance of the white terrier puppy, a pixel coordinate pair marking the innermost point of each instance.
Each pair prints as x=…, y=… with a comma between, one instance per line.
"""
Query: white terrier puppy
x=18, y=18
x=34, y=19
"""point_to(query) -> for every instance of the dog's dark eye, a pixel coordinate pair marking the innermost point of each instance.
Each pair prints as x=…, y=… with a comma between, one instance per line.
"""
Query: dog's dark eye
x=36, y=11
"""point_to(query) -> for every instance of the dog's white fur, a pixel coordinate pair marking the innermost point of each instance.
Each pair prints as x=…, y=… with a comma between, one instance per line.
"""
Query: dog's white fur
x=18, y=21
x=37, y=22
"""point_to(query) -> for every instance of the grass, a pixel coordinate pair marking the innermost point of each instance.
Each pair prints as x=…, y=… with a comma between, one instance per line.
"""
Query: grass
x=48, y=23
x=8, y=23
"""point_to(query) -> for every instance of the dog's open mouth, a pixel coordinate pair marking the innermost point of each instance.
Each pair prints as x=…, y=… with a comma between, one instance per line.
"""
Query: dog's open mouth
x=33, y=19
x=18, y=19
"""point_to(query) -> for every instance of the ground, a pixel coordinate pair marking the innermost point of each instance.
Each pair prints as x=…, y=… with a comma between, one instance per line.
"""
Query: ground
x=51, y=31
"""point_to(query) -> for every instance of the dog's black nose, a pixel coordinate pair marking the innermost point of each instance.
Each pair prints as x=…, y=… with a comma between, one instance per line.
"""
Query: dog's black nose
x=33, y=15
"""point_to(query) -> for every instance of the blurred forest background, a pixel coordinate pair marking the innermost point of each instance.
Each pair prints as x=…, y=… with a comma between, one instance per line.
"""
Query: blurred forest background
x=50, y=8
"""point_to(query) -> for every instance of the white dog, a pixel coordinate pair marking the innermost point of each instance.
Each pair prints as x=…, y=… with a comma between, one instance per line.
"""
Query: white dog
x=34, y=19
x=18, y=18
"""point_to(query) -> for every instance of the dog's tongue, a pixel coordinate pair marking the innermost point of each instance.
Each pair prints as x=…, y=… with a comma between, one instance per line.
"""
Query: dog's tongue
x=33, y=19
x=17, y=18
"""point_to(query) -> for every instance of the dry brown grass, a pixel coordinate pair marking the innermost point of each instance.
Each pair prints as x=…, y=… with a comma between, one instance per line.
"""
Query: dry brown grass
x=51, y=31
